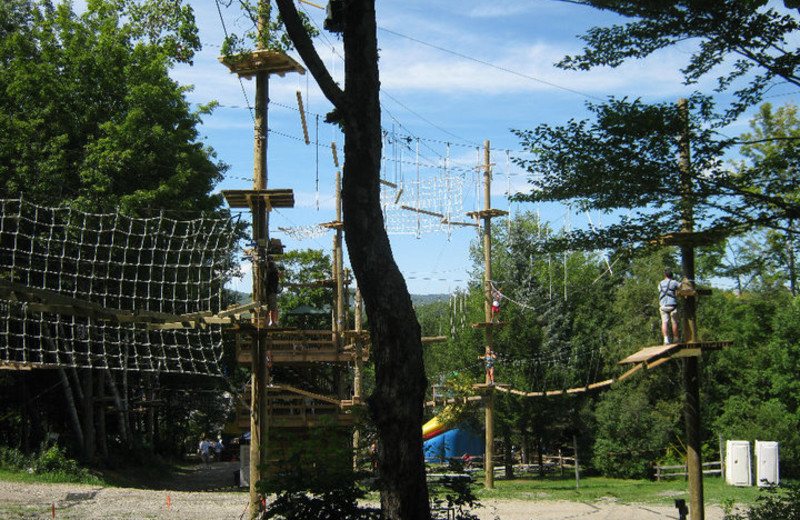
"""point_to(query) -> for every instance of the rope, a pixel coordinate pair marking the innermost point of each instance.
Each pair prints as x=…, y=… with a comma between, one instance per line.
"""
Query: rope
x=84, y=290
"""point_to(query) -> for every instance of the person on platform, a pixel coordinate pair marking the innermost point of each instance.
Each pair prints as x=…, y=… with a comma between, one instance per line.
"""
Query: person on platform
x=668, y=306
x=272, y=287
x=488, y=361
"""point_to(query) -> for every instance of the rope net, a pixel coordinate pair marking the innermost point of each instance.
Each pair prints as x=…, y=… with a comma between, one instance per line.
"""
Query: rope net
x=96, y=290
x=424, y=205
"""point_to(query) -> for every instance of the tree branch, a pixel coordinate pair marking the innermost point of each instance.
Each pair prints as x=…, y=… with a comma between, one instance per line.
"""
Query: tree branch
x=304, y=45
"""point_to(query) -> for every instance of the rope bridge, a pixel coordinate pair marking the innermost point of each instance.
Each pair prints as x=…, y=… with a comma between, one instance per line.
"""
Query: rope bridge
x=90, y=290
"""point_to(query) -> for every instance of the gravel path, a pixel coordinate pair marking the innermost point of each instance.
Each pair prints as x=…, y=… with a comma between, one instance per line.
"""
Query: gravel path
x=222, y=501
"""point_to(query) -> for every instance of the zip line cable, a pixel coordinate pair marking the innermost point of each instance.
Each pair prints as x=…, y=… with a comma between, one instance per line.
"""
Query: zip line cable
x=492, y=65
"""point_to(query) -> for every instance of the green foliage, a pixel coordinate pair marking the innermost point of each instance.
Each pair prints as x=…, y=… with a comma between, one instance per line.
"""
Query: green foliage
x=314, y=477
x=264, y=31
x=750, y=40
x=308, y=266
x=454, y=496
x=50, y=464
x=780, y=502
x=89, y=114
x=627, y=159
x=632, y=430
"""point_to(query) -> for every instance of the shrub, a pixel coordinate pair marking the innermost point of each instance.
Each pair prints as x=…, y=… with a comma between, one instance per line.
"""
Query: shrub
x=781, y=502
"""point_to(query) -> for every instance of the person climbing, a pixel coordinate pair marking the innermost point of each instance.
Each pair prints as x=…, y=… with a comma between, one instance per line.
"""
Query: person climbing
x=668, y=306
x=488, y=361
x=497, y=295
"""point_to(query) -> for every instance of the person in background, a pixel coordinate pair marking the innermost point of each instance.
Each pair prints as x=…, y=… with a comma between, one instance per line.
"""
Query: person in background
x=218, y=447
x=205, y=449
x=668, y=306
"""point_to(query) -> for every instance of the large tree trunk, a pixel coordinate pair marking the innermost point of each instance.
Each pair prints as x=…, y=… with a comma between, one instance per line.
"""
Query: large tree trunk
x=396, y=404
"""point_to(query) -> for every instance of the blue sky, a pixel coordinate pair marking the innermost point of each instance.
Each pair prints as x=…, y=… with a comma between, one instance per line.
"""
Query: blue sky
x=453, y=75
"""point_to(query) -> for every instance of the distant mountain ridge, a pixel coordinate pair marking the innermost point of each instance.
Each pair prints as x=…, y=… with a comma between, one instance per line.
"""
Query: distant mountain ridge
x=426, y=299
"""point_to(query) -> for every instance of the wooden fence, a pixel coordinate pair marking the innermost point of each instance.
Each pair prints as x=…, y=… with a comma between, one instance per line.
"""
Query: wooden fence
x=715, y=468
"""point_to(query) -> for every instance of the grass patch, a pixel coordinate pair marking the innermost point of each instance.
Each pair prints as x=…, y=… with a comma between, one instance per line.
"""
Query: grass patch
x=715, y=490
x=54, y=477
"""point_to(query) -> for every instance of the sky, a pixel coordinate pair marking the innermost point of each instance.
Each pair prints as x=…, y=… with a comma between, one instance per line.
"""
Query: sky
x=453, y=76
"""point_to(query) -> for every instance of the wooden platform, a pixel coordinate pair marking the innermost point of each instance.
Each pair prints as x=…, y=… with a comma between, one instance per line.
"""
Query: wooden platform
x=273, y=62
x=487, y=324
x=336, y=225
x=487, y=213
x=306, y=355
x=290, y=407
x=650, y=355
x=283, y=198
x=487, y=386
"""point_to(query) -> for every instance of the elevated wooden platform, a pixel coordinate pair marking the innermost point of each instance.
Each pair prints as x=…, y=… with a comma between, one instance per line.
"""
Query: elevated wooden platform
x=487, y=213
x=299, y=356
x=487, y=386
x=290, y=407
x=335, y=225
x=273, y=62
x=283, y=198
x=649, y=356
x=487, y=324
x=293, y=347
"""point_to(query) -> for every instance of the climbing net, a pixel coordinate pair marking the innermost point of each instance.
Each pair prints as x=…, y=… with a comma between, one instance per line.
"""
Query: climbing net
x=422, y=205
x=111, y=291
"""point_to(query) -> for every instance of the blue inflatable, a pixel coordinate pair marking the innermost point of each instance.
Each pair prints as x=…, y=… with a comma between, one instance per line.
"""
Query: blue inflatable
x=454, y=444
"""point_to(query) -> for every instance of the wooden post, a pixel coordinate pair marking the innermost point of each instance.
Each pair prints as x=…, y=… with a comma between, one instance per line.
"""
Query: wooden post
x=577, y=465
x=88, y=414
x=259, y=428
x=338, y=267
x=691, y=373
x=488, y=459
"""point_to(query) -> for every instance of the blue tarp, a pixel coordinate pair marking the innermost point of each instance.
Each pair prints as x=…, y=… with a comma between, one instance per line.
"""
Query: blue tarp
x=453, y=444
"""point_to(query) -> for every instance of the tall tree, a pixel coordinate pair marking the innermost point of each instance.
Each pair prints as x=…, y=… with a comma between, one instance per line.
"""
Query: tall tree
x=89, y=114
x=396, y=403
x=753, y=37
x=772, y=151
x=625, y=163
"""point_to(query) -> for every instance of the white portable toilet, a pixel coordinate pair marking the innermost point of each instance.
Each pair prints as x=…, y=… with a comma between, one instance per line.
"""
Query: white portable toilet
x=767, y=464
x=737, y=463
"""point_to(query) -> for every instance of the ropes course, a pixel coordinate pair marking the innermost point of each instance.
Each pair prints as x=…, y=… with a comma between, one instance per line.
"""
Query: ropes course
x=111, y=291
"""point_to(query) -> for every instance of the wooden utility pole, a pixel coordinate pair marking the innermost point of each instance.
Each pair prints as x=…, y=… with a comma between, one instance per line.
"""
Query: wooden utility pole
x=691, y=373
x=259, y=426
x=339, y=325
x=487, y=214
x=260, y=63
x=487, y=258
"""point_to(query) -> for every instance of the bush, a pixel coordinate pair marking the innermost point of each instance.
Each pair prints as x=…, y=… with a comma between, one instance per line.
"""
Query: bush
x=778, y=503
x=454, y=497
x=50, y=463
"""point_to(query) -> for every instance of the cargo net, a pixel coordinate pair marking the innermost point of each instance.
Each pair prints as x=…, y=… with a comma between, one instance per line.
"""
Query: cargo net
x=422, y=206
x=111, y=291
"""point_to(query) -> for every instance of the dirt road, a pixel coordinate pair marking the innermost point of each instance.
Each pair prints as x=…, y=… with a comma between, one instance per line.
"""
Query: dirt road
x=208, y=493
